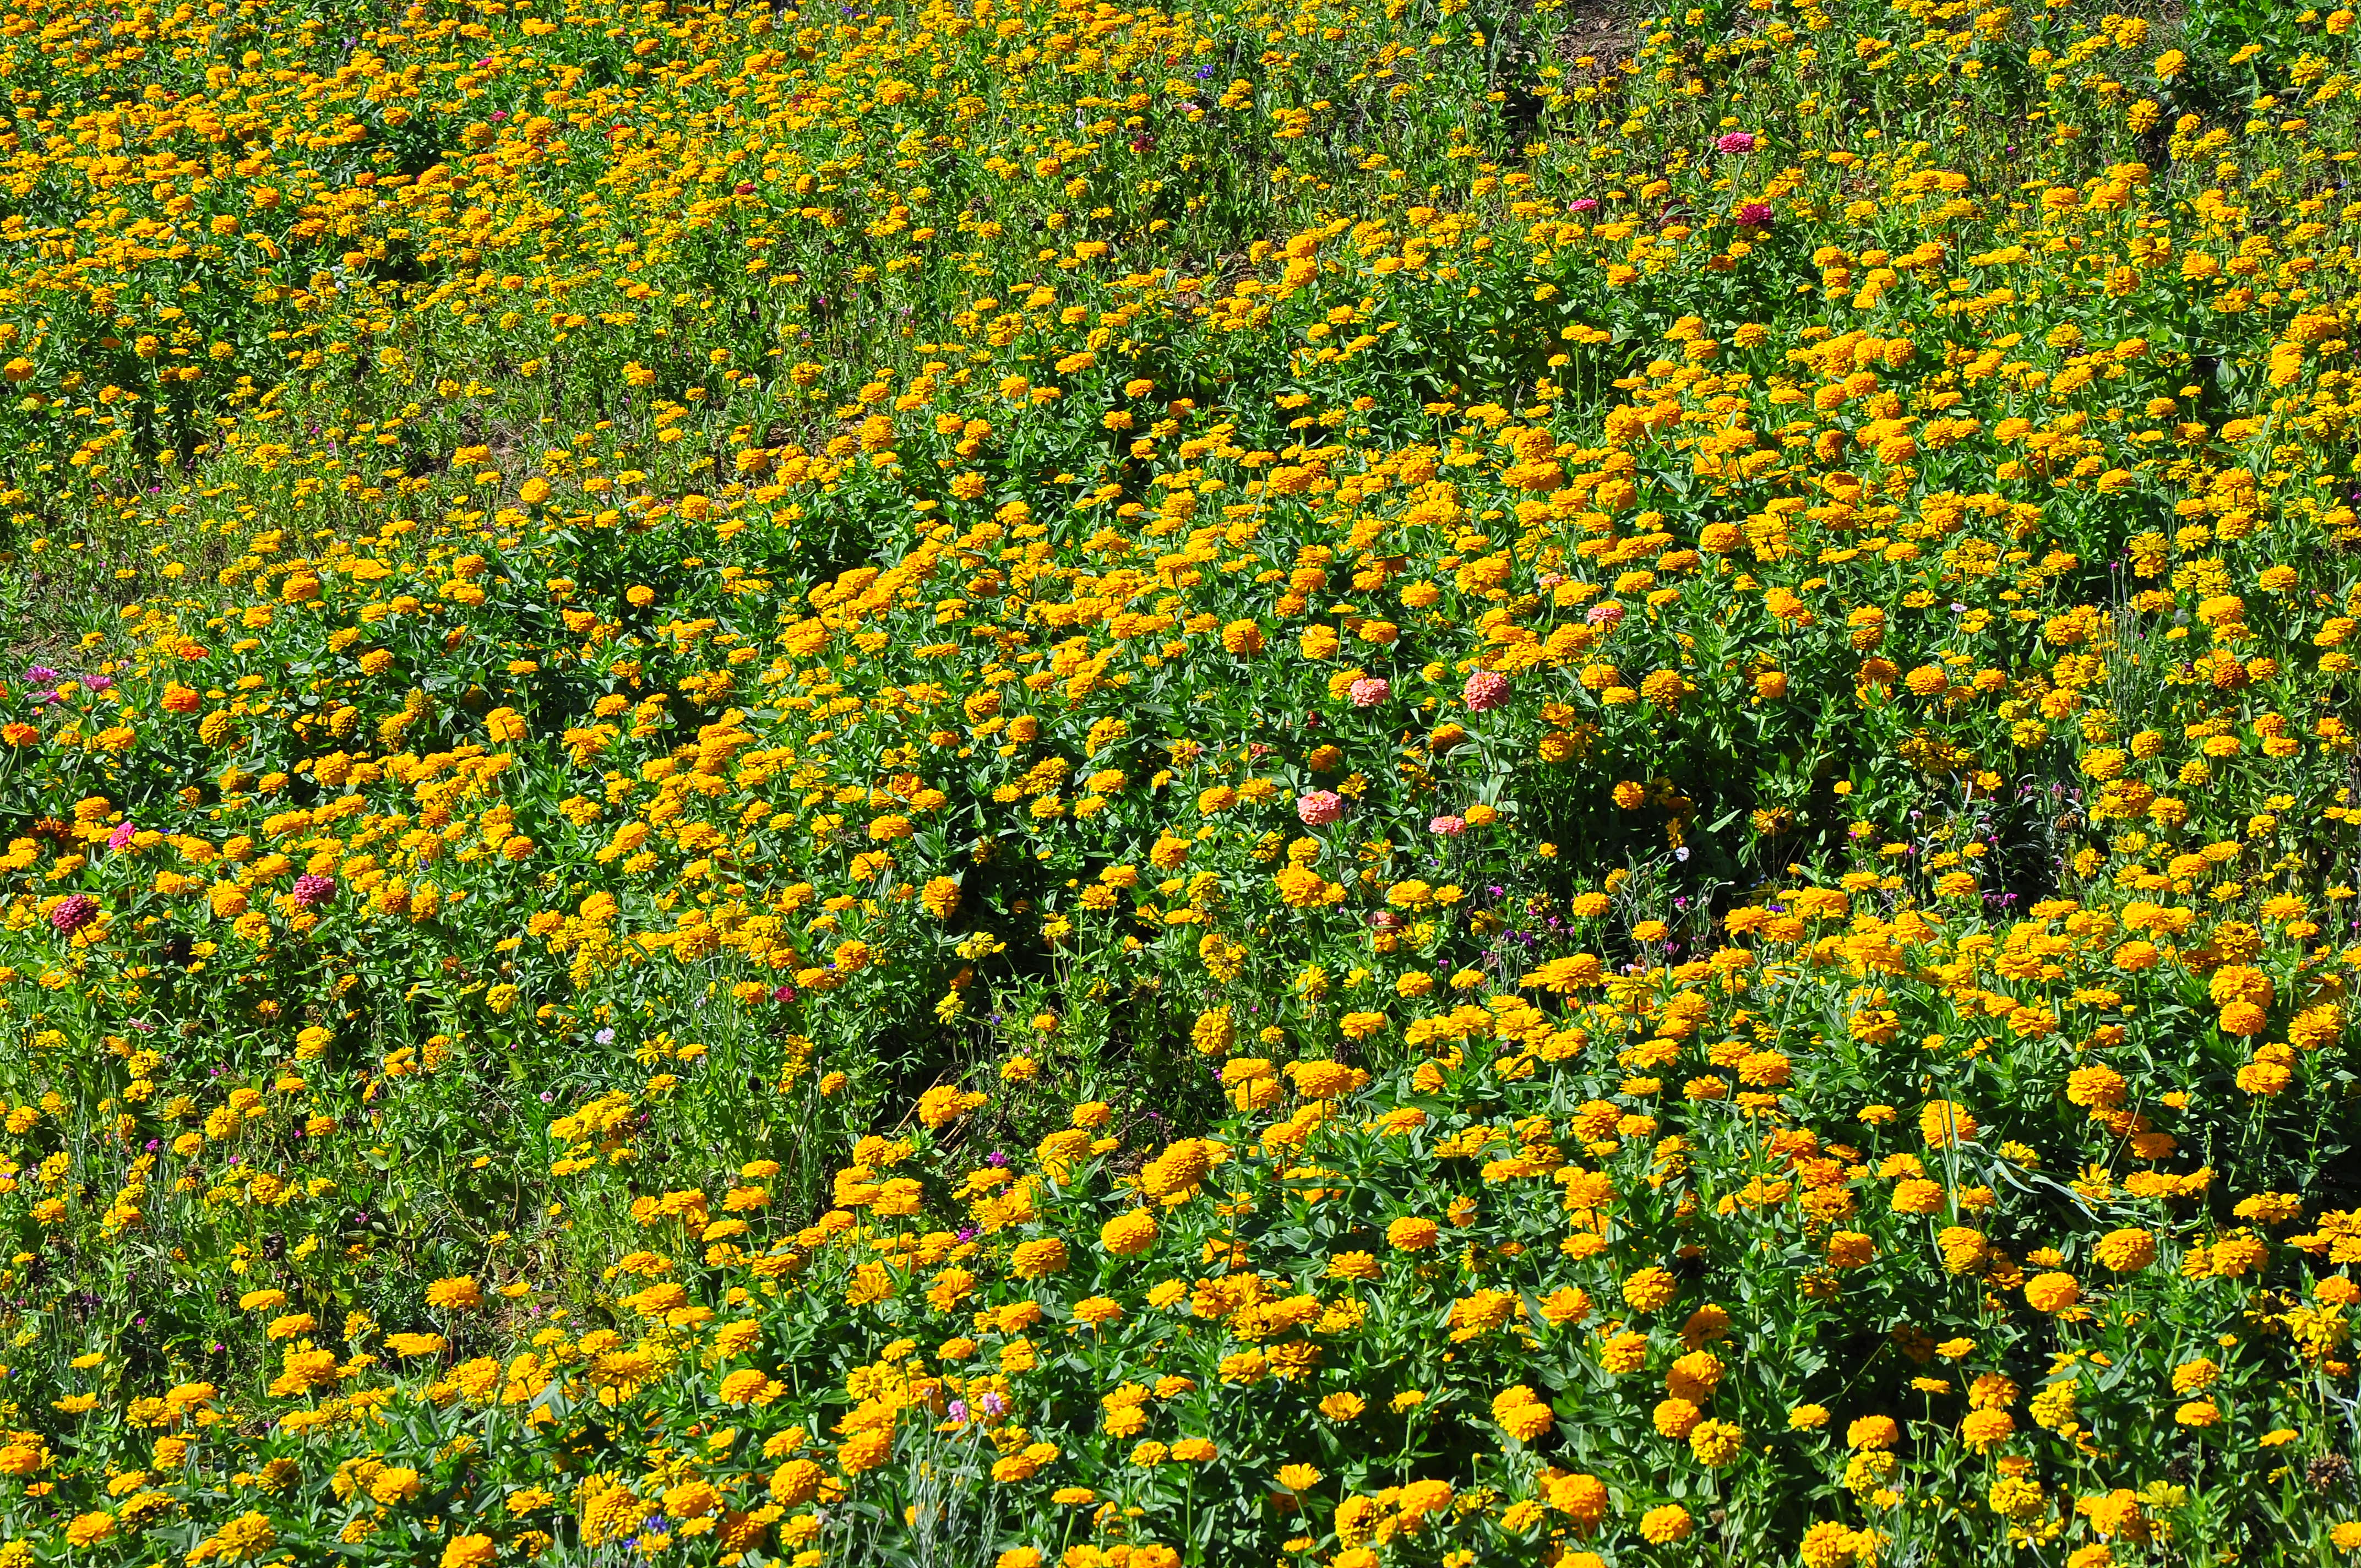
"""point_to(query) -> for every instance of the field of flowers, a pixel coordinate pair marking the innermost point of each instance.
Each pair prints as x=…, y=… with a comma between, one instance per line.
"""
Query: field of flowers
x=1381, y=784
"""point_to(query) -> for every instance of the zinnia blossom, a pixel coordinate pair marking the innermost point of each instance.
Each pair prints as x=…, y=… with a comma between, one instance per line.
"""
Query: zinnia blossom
x=1486, y=690
x=1320, y=808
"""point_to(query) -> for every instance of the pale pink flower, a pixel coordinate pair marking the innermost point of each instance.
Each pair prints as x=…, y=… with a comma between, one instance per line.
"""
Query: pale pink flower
x=1486, y=690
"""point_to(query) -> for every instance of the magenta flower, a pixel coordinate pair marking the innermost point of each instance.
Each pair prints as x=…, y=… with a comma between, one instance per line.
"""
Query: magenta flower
x=311, y=891
x=1320, y=808
x=1486, y=690
x=121, y=835
x=73, y=913
x=1755, y=214
x=1583, y=204
x=1737, y=141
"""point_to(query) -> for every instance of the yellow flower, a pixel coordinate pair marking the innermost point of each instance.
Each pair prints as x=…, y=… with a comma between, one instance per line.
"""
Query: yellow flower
x=1583, y=1497
x=1983, y=1429
x=1831, y=1545
x=1873, y=1432
x=2013, y=1498
x=864, y=1451
x=1675, y=1418
x=1944, y=1122
x=396, y=1484
x=473, y=1550
x=1412, y=1234
x=1522, y=1413
x=2125, y=1250
x=1649, y=1289
x=1128, y=1234
x=1717, y=1442
x=1039, y=1259
x=457, y=1294
x=2051, y=1292
x=89, y=1529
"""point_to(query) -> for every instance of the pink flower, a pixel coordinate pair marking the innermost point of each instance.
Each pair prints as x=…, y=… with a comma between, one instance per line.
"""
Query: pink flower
x=1486, y=690
x=1755, y=214
x=1609, y=614
x=1320, y=808
x=311, y=891
x=121, y=835
x=1449, y=826
x=1737, y=141
x=1370, y=691
x=74, y=913
x=1583, y=204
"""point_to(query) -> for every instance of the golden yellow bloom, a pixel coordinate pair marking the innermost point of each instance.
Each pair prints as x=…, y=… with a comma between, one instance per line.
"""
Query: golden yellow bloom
x=456, y=1294
x=1128, y=1234
x=2051, y=1292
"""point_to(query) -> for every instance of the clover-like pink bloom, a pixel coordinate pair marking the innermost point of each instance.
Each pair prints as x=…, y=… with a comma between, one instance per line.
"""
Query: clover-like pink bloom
x=73, y=913
x=1320, y=808
x=1370, y=691
x=1449, y=826
x=1737, y=141
x=1486, y=690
